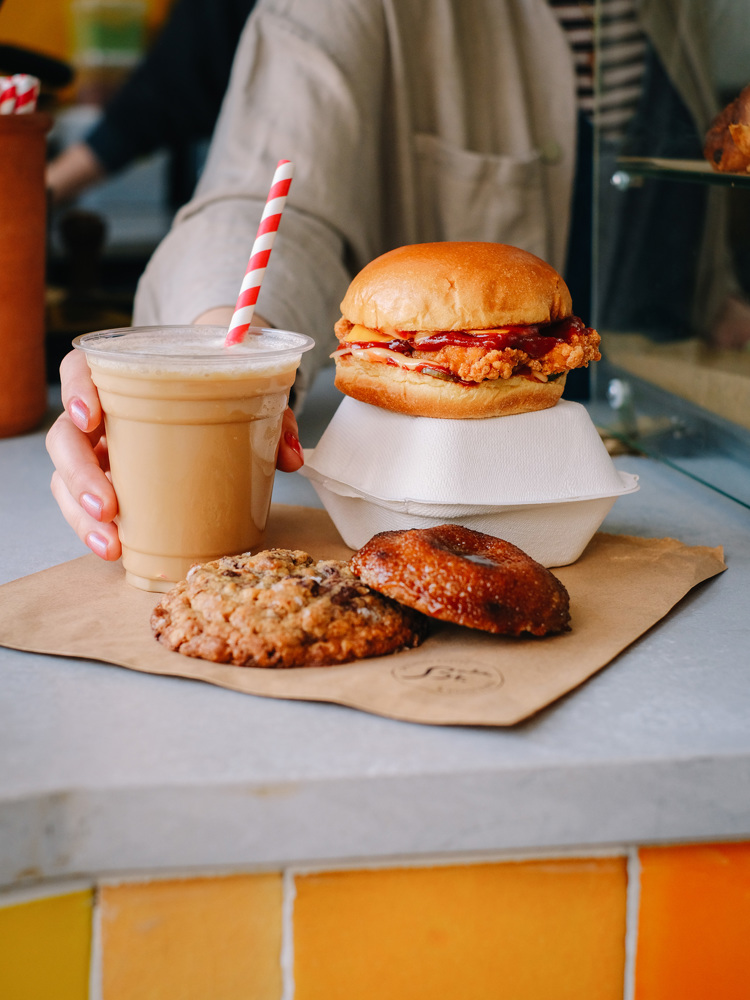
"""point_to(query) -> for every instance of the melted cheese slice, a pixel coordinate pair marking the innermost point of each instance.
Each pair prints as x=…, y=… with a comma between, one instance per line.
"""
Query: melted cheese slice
x=361, y=334
x=383, y=354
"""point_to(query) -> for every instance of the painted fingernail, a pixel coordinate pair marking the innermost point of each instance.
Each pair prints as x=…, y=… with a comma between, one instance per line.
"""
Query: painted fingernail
x=92, y=505
x=79, y=413
x=293, y=442
x=97, y=543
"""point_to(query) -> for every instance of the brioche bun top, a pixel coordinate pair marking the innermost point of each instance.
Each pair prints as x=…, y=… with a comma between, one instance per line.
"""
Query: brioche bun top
x=456, y=286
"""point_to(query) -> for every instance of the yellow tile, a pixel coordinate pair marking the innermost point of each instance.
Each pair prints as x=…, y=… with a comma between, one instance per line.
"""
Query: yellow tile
x=45, y=946
x=525, y=931
x=192, y=939
x=694, y=923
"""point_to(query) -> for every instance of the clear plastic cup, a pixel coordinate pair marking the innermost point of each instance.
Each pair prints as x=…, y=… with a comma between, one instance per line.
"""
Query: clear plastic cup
x=193, y=431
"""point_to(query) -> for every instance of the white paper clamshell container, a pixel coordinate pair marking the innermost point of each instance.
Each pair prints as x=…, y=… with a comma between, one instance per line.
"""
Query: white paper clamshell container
x=543, y=480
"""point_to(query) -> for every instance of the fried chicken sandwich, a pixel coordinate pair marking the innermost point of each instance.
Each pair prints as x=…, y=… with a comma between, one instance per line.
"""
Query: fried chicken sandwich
x=459, y=330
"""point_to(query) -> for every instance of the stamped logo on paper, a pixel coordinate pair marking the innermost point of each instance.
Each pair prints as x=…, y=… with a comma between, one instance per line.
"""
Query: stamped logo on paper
x=448, y=678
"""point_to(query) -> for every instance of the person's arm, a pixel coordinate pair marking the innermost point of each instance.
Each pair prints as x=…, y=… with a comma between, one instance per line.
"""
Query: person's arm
x=307, y=86
x=172, y=97
x=309, y=92
x=174, y=94
x=73, y=171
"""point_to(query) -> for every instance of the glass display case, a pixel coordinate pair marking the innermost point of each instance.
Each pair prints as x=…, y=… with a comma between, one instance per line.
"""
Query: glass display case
x=671, y=238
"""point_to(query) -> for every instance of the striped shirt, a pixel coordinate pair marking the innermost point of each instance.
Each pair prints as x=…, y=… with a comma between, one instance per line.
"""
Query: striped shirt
x=608, y=92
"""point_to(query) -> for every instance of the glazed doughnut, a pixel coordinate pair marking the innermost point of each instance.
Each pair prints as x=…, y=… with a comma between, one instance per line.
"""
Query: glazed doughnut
x=464, y=576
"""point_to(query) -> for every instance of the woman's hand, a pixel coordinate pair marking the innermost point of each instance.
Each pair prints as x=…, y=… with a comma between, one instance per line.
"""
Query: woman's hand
x=78, y=448
x=290, y=457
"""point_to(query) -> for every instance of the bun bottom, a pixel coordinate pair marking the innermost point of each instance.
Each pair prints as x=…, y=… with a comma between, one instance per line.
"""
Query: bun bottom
x=419, y=395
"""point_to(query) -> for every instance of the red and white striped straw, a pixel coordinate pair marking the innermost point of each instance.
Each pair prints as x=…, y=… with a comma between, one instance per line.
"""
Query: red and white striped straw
x=256, y=266
x=27, y=92
x=7, y=95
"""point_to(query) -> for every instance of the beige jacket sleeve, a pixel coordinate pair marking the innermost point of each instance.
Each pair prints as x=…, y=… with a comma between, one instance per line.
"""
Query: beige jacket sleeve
x=406, y=120
x=301, y=94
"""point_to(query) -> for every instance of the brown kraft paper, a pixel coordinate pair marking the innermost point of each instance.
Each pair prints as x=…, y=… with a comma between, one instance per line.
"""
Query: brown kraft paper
x=619, y=588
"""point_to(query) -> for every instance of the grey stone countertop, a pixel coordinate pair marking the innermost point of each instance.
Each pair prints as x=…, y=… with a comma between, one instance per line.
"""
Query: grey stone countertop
x=108, y=771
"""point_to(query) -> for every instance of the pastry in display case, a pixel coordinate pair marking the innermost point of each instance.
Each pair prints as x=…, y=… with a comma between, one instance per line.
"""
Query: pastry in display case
x=671, y=274
x=727, y=146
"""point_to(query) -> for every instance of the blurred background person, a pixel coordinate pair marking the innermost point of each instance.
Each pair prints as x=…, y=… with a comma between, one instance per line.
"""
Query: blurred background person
x=171, y=100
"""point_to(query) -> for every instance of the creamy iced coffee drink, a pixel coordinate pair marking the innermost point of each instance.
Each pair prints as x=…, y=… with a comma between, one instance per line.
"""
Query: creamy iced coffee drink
x=192, y=429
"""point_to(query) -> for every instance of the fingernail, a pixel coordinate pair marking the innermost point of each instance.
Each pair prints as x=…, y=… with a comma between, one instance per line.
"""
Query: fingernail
x=293, y=442
x=92, y=505
x=79, y=413
x=97, y=543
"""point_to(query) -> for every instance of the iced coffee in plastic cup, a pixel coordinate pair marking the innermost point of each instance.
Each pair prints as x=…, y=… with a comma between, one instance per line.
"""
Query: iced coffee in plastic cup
x=193, y=430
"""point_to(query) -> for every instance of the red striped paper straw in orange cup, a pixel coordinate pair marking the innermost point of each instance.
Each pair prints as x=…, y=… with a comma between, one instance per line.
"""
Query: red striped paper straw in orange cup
x=260, y=254
x=27, y=93
x=7, y=95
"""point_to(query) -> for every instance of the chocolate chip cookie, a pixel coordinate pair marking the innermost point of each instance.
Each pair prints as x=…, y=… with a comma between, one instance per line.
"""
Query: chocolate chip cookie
x=281, y=608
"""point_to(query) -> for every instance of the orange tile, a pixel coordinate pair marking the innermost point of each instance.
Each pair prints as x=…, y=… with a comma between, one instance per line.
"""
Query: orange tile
x=192, y=939
x=45, y=946
x=527, y=931
x=694, y=923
